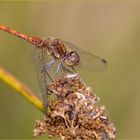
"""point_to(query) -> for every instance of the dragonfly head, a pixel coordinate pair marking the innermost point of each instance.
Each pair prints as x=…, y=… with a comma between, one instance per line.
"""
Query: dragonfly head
x=72, y=59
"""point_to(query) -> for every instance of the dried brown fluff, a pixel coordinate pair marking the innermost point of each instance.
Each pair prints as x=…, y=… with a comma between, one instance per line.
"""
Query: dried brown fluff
x=74, y=114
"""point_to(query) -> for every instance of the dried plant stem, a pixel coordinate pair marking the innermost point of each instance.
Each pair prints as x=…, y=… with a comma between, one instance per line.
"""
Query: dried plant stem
x=21, y=89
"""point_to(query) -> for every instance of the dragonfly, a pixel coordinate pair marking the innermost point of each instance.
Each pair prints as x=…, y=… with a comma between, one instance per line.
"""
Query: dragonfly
x=55, y=57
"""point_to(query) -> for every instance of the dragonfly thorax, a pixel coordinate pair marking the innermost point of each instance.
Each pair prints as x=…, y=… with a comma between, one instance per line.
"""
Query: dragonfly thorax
x=56, y=48
x=59, y=50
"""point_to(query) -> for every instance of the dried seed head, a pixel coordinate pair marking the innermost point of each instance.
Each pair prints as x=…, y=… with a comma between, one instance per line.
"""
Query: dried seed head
x=74, y=114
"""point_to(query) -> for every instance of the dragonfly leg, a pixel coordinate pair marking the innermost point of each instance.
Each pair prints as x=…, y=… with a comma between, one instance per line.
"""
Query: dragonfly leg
x=58, y=68
x=61, y=66
x=46, y=67
x=66, y=69
x=74, y=69
x=49, y=76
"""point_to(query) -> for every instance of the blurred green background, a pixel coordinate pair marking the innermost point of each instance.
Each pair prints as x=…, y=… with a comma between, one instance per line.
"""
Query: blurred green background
x=108, y=29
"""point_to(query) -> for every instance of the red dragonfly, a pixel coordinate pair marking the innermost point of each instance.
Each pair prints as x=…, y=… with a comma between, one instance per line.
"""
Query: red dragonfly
x=54, y=57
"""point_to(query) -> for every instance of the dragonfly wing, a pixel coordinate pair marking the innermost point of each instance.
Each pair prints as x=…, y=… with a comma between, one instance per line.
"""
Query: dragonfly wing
x=88, y=61
x=39, y=60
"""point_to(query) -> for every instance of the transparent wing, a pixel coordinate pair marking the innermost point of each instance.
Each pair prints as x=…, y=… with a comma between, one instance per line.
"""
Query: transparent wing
x=88, y=61
x=40, y=59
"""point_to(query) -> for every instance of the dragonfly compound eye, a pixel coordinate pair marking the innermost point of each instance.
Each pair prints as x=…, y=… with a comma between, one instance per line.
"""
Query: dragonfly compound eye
x=72, y=59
